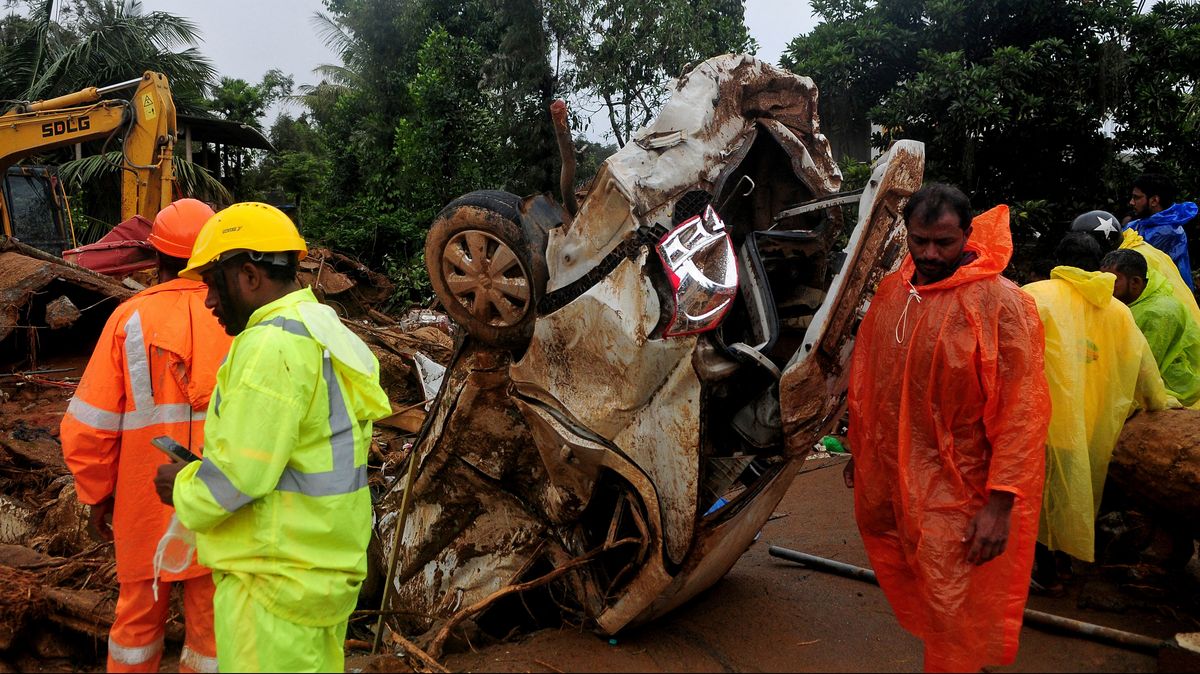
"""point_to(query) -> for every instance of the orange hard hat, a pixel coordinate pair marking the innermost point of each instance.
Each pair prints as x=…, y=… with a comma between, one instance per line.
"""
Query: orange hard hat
x=176, y=226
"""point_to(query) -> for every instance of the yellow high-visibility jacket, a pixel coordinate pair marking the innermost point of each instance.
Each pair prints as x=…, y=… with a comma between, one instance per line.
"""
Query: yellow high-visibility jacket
x=280, y=499
x=1100, y=369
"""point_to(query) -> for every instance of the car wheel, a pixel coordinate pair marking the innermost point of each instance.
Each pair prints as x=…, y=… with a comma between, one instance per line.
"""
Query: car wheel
x=488, y=270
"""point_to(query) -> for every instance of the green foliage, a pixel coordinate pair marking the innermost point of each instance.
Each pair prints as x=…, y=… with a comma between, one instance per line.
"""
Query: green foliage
x=49, y=49
x=1157, y=120
x=193, y=180
x=855, y=174
x=1011, y=98
x=588, y=157
x=626, y=52
x=410, y=277
x=450, y=143
x=98, y=42
x=237, y=100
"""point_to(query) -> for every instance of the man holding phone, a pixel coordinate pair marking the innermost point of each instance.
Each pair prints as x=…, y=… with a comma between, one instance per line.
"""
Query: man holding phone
x=279, y=504
x=151, y=375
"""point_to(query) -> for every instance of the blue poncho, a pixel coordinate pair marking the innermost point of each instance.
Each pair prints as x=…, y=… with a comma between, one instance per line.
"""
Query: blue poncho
x=1164, y=231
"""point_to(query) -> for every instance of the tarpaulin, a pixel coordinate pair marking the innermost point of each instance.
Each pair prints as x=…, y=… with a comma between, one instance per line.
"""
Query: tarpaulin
x=948, y=401
x=1100, y=369
x=124, y=250
x=1164, y=231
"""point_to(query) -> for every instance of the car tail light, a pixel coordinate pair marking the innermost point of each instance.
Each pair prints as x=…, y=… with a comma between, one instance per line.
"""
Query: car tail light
x=699, y=259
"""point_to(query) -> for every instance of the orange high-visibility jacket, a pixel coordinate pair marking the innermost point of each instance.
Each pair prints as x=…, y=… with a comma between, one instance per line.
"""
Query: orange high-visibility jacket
x=948, y=401
x=151, y=374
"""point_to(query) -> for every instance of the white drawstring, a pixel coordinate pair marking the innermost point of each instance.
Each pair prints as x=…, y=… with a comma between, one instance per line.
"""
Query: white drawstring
x=902, y=325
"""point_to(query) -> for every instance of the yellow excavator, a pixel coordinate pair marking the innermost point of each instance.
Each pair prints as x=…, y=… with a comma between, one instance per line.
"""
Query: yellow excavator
x=34, y=207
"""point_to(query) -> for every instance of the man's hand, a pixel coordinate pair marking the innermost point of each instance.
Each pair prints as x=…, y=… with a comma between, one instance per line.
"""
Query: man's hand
x=987, y=534
x=848, y=473
x=100, y=521
x=164, y=481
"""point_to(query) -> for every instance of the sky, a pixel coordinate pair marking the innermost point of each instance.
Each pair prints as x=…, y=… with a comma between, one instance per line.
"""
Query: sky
x=246, y=38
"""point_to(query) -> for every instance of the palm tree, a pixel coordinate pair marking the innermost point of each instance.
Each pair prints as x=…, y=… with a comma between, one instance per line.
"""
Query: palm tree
x=106, y=41
x=97, y=42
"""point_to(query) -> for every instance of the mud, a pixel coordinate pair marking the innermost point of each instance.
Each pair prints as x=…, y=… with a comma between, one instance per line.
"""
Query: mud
x=1157, y=461
x=769, y=615
x=58, y=585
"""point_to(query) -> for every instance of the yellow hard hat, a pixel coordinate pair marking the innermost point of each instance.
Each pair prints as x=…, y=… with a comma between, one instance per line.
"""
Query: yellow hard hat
x=248, y=226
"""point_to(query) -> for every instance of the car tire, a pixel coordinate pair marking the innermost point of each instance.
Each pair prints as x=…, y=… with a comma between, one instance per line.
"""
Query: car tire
x=487, y=268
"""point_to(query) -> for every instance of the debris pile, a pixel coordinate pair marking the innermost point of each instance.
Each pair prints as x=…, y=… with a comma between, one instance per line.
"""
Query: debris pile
x=58, y=585
x=49, y=305
x=345, y=283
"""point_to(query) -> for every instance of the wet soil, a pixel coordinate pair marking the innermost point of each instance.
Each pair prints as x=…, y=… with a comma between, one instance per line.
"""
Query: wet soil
x=765, y=615
x=771, y=615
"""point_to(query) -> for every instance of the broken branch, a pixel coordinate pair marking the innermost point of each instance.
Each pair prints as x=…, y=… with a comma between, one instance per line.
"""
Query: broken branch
x=439, y=641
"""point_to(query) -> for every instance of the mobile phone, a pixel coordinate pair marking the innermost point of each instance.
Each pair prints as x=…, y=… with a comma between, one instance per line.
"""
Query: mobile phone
x=173, y=449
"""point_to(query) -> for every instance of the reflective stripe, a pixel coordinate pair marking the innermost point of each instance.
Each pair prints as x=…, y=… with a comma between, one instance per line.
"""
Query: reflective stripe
x=103, y=420
x=138, y=364
x=173, y=413
x=227, y=496
x=133, y=655
x=289, y=325
x=217, y=400
x=196, y=662
x=144, y=413
x=344, y=478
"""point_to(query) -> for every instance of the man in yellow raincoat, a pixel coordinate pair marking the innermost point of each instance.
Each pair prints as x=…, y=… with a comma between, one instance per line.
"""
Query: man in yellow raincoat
x=279, y=503
x=1173, y=335
x=948, y=415
x=1100, y=369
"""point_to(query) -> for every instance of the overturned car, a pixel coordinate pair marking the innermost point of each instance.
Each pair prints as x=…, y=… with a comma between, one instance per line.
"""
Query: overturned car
x=642, y=378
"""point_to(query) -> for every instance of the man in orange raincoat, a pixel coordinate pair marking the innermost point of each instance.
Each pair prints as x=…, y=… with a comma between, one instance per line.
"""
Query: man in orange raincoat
x=948, y=415
x=151, y=374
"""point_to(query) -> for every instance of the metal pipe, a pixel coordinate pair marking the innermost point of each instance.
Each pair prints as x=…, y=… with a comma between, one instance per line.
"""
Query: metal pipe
x=393, y=557
x=119, y=85
x=1034, y=618
x=823, y=564
x=33, y=372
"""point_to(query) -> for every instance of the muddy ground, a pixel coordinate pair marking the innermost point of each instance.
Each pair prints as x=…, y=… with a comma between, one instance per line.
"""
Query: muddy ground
x=766, y=615
x=771, y=615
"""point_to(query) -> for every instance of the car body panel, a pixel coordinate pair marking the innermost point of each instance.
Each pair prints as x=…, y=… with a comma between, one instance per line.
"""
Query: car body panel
x=648, y=462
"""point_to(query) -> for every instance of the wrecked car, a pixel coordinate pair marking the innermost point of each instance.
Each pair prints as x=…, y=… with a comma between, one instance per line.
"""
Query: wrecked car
x=641, y=379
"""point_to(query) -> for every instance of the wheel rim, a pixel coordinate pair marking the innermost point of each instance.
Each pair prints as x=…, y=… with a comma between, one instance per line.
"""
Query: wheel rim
x=487, y=278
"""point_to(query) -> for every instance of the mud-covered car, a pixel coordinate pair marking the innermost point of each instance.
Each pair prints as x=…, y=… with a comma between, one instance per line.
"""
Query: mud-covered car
x=642, y=379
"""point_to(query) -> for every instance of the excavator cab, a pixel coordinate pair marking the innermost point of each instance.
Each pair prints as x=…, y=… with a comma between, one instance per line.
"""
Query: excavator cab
x=38, y=208
x=34, y=209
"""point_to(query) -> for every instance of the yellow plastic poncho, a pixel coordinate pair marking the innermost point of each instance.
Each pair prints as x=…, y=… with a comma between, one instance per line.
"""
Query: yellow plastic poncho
x=1100, y=369
x=1163, y=264
x=1173, y=335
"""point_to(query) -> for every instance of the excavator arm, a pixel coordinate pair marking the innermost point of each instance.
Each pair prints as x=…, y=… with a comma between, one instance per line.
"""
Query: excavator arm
x=144, y=126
